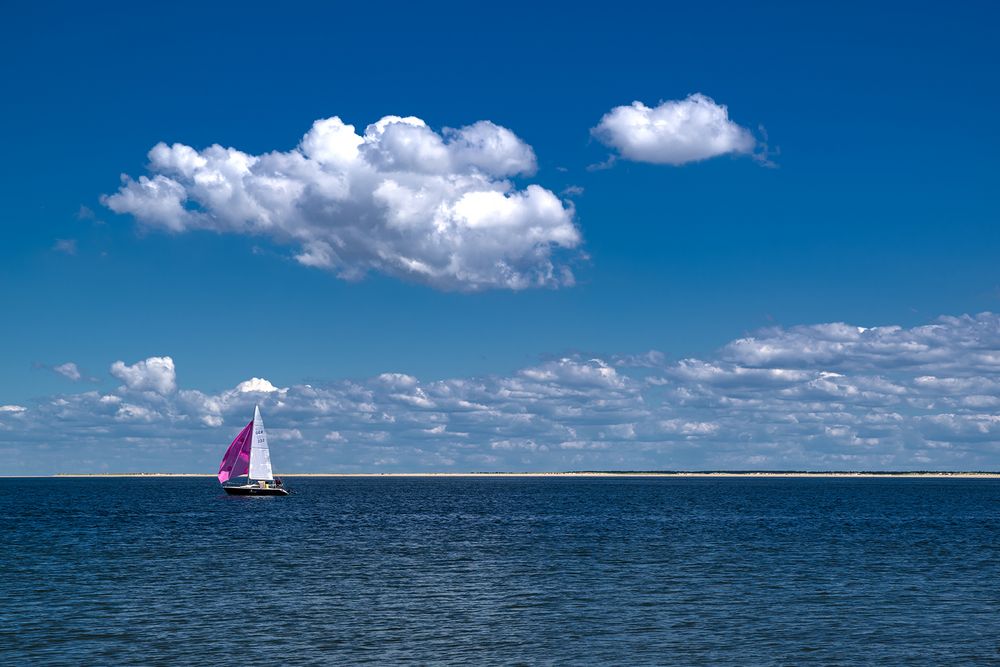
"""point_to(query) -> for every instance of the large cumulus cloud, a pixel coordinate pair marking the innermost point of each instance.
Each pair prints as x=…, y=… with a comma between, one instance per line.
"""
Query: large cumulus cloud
x=827, y=396
x=401, y=199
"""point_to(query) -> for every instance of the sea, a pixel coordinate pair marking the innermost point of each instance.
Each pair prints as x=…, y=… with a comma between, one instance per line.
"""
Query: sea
x=502, y=571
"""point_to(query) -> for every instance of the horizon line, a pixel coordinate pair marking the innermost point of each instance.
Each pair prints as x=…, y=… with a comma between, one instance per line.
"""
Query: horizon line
x=568, y=473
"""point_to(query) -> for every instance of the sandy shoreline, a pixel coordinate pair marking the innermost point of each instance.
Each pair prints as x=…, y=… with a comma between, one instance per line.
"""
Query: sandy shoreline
x=873, y=474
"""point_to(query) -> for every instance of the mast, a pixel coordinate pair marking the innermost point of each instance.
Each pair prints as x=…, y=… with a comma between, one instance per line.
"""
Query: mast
x=250, y=452
x=260, y=454
x=253, y=427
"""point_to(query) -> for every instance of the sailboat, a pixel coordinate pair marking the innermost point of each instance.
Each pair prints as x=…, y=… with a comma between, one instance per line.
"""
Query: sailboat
x=249, y=456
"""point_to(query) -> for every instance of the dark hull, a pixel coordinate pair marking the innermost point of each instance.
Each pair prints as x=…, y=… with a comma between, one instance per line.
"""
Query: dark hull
x=254, y=491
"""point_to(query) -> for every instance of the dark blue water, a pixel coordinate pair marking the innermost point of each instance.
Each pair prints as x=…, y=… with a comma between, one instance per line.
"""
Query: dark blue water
x=491, y=571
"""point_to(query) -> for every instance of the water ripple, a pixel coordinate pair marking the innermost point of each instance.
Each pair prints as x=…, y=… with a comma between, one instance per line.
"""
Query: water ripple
x=502, y=571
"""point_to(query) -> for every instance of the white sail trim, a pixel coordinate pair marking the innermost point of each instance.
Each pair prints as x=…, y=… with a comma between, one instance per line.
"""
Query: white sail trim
x=260, y=455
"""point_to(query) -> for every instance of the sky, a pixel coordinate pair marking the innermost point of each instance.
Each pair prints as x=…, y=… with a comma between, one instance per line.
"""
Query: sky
x=440, y=237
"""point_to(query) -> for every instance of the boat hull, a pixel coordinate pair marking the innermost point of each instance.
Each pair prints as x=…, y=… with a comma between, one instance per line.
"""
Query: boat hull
x=255, y=491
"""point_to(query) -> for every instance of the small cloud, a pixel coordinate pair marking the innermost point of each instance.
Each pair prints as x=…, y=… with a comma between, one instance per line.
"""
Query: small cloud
x=66, y=246
x=68, y=370
x=135, y=413
x=155, y=373
x=285, y=434
x=256, y=385
x=572, y=191
x=675, y=132
x=601, y=166
x=650, y=359
x=763, y=153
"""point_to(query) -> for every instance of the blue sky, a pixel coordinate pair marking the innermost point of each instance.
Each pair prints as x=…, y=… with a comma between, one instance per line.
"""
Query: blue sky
x=878, y=208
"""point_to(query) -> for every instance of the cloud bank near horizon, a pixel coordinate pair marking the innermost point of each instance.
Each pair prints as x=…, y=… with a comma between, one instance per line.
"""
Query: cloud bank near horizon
x=400, y=199
x=826, y=396
x=674, y=132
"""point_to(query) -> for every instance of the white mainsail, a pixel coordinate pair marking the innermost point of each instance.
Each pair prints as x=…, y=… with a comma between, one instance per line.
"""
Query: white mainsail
x=260, y=455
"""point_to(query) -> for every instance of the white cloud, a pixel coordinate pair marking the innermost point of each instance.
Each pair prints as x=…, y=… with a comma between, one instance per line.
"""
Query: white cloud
x=152, y=374
x=817, y=397
x=130, y=412
x=401, y=199
x=284, y=434
x=69, y=370
x=675, y=132
x=688, y=428
x=256, y=385
x=956, y=346
x=65, y=246
x=572, y=372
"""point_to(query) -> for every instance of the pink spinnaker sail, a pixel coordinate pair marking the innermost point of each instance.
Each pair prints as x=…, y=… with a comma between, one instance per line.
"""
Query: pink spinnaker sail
x=236, y=460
